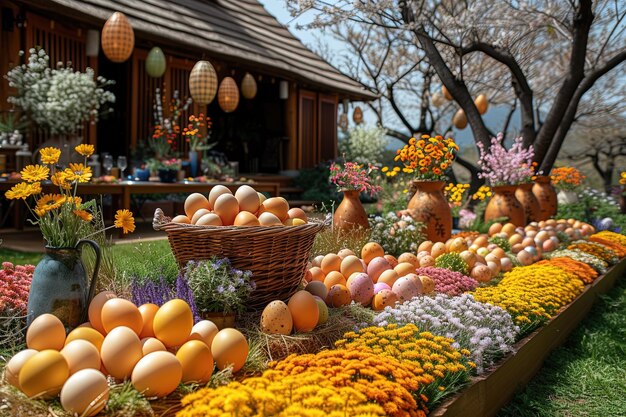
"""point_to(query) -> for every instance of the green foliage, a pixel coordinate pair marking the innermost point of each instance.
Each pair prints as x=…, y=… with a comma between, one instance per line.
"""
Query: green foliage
x=10, y=122
x=502, y=242
x=316, y=185
x=453, y=262
x=397, y=234
x=364, y=145
x=124, y=400
x=145, y=260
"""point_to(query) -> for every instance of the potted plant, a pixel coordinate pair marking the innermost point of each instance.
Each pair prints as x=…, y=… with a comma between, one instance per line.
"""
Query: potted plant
x=197, y=134
x=352, y=179
x=167, y=169
x=219, y=290
x=428, y=160
x=60, y=285
x=567, y=180
x=504, y=170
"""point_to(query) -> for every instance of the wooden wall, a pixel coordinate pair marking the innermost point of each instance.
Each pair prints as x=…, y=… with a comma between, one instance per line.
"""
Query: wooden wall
x=317, y=128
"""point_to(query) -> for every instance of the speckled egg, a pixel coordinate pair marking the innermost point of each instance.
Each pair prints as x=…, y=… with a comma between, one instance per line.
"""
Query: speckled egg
x=334, y=278
x=370, y=251
x=345, y=252
x=438, y=249
x=427, y=261
x=350, y=265
x=481, y=273
x=379, y=286
x=408, y=257
x=377, y=266
x=276, y=318
x=338, y=296
x=392, y=260
x=361, y=288
x=388, y=277
x=404, y=268
x=304, y=311
x=406, y=288
x=427, y=245
x=385, y=298
x=428, y=284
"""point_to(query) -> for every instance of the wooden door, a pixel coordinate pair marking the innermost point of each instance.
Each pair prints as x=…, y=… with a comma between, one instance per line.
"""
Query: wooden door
x=308, y=152
x=327, y=127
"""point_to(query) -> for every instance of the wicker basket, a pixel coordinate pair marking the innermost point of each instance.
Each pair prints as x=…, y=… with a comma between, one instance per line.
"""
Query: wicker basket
x=277, y=256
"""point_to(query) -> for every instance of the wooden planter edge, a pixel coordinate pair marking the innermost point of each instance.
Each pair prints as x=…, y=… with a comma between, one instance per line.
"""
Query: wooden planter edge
x=489, y=392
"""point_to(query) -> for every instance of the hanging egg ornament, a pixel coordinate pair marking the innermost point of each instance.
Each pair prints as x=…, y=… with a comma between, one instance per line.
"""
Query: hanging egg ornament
x=248, y=86
x=228, y=95
x=118, y=38
x=357, y=116
x=482, y=104
x=203, y=82
x=460, y=120
x=155, y=62
x=446, y=93
x=343, y=122
x=438, y=100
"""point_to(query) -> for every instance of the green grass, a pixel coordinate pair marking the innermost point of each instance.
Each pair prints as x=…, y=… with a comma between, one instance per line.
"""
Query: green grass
x=19, y=258
x=587, y=375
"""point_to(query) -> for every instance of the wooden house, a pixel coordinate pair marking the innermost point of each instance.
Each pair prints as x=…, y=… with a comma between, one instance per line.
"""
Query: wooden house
x=268, y=133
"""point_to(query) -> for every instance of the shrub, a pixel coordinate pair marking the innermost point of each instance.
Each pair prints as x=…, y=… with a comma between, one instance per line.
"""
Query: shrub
x=364, y=145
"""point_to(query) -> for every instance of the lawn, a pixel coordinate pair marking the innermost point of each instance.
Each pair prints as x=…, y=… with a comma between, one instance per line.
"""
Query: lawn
x=587, y=375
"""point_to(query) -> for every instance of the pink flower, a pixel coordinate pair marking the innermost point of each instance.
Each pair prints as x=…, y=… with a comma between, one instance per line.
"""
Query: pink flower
x=354, y=177
x=501, y=167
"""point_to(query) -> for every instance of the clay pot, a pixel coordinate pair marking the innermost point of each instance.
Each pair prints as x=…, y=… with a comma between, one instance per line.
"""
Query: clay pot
x=504, y=204
x=546, y=196
x=567, y=197
x=350, y=214
x=429, y=206
x=525, y=196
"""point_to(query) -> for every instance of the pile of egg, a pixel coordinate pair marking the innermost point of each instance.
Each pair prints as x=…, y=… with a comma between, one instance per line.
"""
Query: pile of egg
x=246, y=207
x=304, y=311
x=374, y=279
x=528, y=243
x=157, y=348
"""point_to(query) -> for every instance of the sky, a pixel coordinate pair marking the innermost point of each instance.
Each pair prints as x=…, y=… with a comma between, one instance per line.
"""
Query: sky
x=494, y=118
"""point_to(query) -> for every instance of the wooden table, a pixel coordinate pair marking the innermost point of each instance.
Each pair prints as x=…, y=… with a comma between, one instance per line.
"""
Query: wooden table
x=123, y=191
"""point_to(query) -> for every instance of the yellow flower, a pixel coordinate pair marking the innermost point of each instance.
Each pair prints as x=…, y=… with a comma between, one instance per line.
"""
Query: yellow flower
x=384, y=169
x=124, y=220
x=85, y=150
x=23, y=190
x=60, y=180
x=85, y=215
x=78, y=172
x=49, y=155
x=34, y=173
x=49, y=202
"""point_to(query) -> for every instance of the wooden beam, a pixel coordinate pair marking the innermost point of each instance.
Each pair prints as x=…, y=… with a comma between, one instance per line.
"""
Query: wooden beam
x=291, y=129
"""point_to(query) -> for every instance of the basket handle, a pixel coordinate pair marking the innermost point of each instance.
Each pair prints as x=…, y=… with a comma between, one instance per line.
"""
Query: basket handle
x=160, y=220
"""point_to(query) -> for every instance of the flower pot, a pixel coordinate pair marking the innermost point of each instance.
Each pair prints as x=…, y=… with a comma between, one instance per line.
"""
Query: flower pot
x=142, y=174
x=524, y=194
x=61, y=287
x=221, y=320
x=350, y=214
x=546, y=196
x=455, y=223
x=195, y=159
x=504, y=204
x=168, y=175
x=567, y=197
x=429, y=206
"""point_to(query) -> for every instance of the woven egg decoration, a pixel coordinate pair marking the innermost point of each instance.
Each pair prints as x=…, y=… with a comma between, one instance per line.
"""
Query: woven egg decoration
x=228, y=95
x=357, y=116
x=460, y=120
x=248, y=86
x=118, y=38
x=203, y=82
x=155, y=62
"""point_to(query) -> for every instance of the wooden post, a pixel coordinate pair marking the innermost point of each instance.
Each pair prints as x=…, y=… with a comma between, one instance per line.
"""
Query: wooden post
x=291, y=129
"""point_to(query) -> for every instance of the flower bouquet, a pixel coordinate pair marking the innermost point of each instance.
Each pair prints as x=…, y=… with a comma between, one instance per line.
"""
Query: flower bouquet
x=568, y=181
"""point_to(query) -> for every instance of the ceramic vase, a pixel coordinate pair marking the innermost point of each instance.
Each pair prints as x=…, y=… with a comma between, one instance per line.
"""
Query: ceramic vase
x=504, y=204
x=524, y=194
x=350, y=215
x=430, y=207
x=546, y=196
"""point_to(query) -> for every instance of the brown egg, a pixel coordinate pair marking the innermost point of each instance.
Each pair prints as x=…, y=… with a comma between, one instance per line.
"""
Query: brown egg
x=457, y=245
x=15, y=364
x=408, y=257
x=499, y=252
x=95, y=309
x=494, y=267
x=245, y=218
x=495, y=228
x=388, y=277
x=331, y=262
x=508, y=228
x=181, y=219
x=247, y=198
x=438, y=249
x=492, y=258
x=44, y=374
x=345, y=252
x=393, y=261
x=350, y=265
x=426, y=261
x=215, y=192
x=304, y=311
x=269, y=219
x=469, y=258
x=262, y=198
x=85, y=393
x=278, y=206
x=317, y=288
x=370, y=251
x=425, y=246
x=480, y=241
x=481, y=273
x=229, y=347
x=86, y=333
x=528, y=241
x=404, y=268
x=317, y=261
x=120, y=351
x=227, y=207
x=277, y=319
x=147, y=312
x=376, y=267
x=151, y=344
x=195, y=202
x=204, y=331
x=338, y=296
x=197, y=361
x=173, y=323
x=317, y=274
x=80, y=354
x=515, y=239
x=384, y=298
x=45, y=332
x=297, y=213
x=198, y=214
x=157, y=374
x=334, y=278
x=517, y=247
x=210, y=219
x=119, y=312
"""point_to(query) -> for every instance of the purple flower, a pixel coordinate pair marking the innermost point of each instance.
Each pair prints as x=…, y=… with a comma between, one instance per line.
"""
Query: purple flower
x=220, y=289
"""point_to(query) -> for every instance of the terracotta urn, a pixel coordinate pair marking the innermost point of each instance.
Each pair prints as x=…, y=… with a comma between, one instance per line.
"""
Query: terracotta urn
x=546, y=196
x=350, y=214
x=429, y=206
x=524, y=194
x=504, y=204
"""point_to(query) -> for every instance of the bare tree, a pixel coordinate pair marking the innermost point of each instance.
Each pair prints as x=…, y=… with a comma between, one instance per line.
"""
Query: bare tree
x=550, y=52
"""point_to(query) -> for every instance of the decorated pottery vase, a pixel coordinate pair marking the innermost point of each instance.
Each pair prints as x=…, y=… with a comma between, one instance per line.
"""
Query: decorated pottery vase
x=429, y=206
x=546, y=196
x=504, y=204
x=350, y=214
x=524, y=194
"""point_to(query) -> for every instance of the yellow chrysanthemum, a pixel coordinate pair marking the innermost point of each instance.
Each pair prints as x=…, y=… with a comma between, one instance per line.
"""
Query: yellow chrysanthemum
x=124, y=220
x=23, y=190
x=60, y=180
x=78, y=172
x=49, y=202
x=85, y=215
x=85, y=150
x=49, y=155
x=34, y=173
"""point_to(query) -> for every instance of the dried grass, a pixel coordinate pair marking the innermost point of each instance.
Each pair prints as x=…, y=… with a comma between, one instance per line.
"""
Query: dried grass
x=329, y=241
